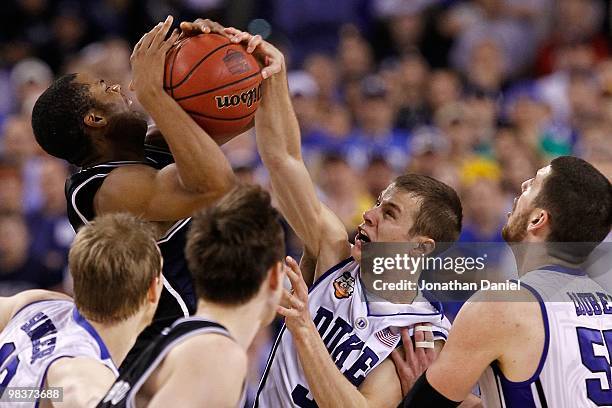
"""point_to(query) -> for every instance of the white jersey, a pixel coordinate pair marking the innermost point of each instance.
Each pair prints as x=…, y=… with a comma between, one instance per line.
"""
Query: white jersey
x=39, y=334
x=359, y=334
x=574, y=369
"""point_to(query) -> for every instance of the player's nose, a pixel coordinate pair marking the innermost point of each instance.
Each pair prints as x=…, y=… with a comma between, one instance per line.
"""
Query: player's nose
x=369, y=217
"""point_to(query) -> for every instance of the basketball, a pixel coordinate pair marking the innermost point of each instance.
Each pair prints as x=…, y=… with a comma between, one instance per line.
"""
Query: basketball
x=216, y=82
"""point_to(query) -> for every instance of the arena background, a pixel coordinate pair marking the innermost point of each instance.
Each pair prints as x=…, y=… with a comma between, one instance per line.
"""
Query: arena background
x=476, y=93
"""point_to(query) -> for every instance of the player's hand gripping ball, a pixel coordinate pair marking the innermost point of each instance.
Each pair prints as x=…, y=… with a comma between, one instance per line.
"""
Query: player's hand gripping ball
x=216, y=82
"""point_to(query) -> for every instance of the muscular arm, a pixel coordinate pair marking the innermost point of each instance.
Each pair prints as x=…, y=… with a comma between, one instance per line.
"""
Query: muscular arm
x=278, y=141
x=487, y=330
x=84, y=381
x=201, y=173
x=11, y=305
x=203, y=371
x=330, y=388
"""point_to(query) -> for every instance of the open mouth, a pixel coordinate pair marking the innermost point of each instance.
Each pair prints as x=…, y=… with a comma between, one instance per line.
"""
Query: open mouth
x=362, y=236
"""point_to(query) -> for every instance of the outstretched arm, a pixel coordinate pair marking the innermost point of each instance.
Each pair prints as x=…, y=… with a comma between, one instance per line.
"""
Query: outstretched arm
x=201, y=173
x=278, y=142
x=13, y=304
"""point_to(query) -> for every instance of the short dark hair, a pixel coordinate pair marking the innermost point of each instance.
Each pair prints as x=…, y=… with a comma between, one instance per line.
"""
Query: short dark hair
x=57, y=120
x=579, y=200
x=440, y=213
x=232, y=245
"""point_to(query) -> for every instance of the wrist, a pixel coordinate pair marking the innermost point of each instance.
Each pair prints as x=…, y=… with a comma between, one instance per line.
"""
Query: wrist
x=305, y=332
x=149, y=97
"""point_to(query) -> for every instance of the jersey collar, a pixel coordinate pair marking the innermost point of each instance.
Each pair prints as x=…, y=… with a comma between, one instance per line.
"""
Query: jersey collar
x=81, y=321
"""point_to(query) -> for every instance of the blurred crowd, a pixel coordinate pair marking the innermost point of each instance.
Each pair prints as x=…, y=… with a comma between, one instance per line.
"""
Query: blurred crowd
x=478, y=94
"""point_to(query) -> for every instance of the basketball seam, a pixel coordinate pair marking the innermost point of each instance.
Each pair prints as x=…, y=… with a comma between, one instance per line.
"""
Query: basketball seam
x=182, y=81
x=216, y=118
x=178, y=48
x=217, y=88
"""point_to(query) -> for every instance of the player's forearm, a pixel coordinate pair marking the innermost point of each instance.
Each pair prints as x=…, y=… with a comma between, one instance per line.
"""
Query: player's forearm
x=277, y=128
x=326, y=383
x=201, y=164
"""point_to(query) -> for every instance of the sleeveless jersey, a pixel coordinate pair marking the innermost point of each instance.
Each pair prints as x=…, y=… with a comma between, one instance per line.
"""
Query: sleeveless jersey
x=39, y=334
x=358, y=333
x=123, y=393
x=574, y=369
x=178, y=297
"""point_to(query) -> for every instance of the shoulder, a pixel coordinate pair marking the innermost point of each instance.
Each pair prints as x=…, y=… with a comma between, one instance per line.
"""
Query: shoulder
x=496, y=317
x=207, y=352
x=10, y=306
x=125, y=188
x=84, y=380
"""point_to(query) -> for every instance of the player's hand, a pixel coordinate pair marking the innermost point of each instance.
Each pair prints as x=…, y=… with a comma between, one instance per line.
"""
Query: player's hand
x=202, y=26
x=294, y=304
x=413, y=359
x=148, y=61
x=269, y=56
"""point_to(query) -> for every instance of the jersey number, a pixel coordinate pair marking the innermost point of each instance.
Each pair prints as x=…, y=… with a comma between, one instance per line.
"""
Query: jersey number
x=299, y=395
x=7, y=374
x=587, y=338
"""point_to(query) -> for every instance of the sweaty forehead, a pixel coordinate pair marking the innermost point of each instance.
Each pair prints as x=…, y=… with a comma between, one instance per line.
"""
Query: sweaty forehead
x=541, y=175
x=405, y=200
x=86, y=79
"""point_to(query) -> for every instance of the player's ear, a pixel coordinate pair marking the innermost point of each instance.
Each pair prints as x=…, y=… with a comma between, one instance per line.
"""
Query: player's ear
x=155, y=289
x=94, y=118
x=275, y=276
x=424, y=246
x=538, y=220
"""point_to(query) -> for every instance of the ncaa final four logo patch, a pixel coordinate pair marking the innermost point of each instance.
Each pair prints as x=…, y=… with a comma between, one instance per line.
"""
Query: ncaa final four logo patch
x=344, y=286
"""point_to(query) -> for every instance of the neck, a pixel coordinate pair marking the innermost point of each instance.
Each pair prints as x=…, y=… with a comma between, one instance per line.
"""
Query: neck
x=243, y=322
x=120, y=337
x=532, y=256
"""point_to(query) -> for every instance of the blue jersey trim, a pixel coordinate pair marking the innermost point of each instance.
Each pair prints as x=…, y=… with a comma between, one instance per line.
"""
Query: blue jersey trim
x=81, y=321
x=262, y=383
x=564, y=269
x=22, y=308
x=536, y=374
x=329, y=272
x=321, y=278
x=44, y=377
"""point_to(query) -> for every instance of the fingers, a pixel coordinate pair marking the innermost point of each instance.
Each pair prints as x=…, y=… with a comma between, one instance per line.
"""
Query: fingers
x=161, y=33
x=274, y=64
x=407, y=342
x=295, y=277
x=287, y=312
x=253, y=43
x=171, y=40
x=202, y=26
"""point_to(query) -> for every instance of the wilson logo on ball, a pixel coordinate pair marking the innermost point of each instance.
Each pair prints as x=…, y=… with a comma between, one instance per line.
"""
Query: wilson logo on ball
x=247, y=98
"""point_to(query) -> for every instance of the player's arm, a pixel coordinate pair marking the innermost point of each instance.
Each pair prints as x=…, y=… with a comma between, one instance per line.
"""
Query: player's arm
x=83, y=380
x=201, y=172
x=204, y=371
x=278, y=142
x=11, y=305
x=481, y=333
x=329, y=387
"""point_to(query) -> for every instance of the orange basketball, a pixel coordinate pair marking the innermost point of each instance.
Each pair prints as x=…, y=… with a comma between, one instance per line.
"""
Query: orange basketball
x=216, y=82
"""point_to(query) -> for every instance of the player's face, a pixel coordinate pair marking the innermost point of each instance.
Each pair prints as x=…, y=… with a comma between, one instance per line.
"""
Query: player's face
x=515, y=229
x=389, y=220
x=109, y=95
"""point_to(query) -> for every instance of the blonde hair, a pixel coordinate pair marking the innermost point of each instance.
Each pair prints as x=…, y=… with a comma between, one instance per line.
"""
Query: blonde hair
x=113, y=261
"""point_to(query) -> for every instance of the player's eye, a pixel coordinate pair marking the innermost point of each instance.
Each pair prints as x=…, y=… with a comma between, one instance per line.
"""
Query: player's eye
x=389, y=214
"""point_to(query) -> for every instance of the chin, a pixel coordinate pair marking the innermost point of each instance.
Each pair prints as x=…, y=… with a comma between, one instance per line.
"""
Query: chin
x=356, y=253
